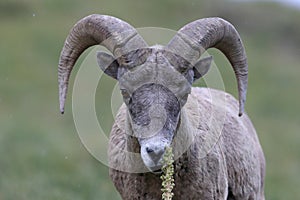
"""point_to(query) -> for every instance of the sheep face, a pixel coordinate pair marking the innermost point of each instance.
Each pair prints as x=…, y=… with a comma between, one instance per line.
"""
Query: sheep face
x=155, y=85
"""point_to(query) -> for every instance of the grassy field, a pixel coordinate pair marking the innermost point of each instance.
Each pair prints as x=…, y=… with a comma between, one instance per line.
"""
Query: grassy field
x=41, y=156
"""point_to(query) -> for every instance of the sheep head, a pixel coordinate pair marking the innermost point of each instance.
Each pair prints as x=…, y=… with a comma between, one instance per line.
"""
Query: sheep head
x=155, y=85
x=155, y=81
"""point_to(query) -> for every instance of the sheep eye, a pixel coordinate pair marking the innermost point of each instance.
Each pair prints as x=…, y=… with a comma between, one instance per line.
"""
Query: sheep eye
x=125, y=94
x=186, y=96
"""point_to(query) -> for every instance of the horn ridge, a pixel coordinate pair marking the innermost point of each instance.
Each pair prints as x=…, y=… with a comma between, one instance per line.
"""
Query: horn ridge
x=113, y=33
x=196, y=37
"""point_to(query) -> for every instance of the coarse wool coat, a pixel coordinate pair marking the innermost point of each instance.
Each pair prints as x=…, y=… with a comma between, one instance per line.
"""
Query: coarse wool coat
x=222, y=159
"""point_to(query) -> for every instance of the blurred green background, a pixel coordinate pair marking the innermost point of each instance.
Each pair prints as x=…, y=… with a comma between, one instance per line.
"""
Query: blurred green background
x=41, y=156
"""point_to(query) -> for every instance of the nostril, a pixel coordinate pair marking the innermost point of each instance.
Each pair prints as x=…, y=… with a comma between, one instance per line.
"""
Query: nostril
x=149, y=150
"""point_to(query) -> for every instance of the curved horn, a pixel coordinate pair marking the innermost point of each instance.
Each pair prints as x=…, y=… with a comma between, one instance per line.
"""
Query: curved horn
x=116, y=35
x=196, y=37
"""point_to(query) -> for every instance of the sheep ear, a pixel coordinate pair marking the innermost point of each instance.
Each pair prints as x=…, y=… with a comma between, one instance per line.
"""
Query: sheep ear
x=108, y=64
x=202, y=67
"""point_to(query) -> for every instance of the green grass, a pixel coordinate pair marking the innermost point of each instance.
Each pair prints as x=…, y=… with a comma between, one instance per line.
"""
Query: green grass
x=41, y=156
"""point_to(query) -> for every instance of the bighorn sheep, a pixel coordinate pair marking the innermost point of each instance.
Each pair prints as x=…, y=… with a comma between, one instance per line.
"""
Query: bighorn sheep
x=218, y=154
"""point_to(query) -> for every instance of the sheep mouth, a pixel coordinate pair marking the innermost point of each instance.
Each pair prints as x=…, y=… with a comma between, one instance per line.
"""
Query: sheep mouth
x=158, y=171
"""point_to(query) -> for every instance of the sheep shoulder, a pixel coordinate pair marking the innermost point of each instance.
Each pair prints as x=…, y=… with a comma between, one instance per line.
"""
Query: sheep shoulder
x=238, y=142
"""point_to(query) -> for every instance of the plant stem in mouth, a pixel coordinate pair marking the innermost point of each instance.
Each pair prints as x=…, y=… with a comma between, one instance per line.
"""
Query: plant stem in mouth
x=167, y=176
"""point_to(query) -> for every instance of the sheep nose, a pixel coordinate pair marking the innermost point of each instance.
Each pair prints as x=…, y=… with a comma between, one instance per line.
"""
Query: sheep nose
x=155, y=153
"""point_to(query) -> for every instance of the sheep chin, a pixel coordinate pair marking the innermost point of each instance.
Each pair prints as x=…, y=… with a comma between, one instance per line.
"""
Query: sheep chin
x=149, y=163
